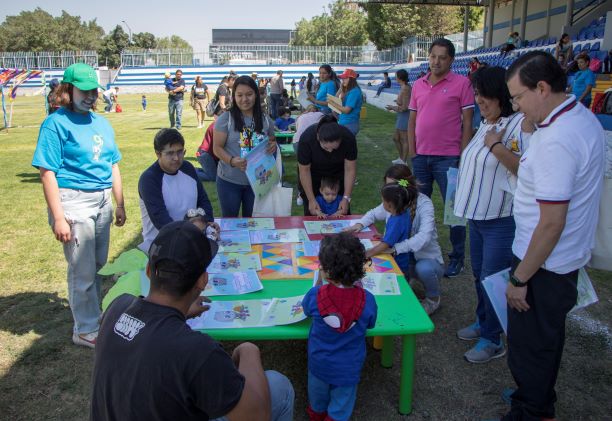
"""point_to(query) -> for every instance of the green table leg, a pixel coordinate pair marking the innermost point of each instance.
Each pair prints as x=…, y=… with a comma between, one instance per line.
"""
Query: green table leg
x=386, y=356
x=407, y=375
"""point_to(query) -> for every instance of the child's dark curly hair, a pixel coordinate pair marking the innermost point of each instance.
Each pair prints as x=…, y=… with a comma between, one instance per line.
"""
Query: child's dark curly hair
x=342, y=257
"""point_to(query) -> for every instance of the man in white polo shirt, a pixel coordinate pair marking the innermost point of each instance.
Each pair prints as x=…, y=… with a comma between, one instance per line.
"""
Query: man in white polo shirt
x=556, y=210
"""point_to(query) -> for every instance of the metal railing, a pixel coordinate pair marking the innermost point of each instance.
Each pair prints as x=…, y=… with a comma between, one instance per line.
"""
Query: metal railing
x=46, y=59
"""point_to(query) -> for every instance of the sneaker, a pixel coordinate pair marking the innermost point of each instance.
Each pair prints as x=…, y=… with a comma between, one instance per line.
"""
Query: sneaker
x=470, y=333
x=430, y=306
x=398, y=161
x=485, y=351
x=85, y=339
x=454, y=268
x=299, y=201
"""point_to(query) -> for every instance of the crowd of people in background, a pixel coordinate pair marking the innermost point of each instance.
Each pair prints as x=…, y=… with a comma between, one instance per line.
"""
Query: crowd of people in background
x=528, y=186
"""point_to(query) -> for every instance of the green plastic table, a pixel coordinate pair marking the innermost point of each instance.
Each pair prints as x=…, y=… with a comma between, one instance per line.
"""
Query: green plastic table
x=286, y=148
x=288, y=136
x=398, y=315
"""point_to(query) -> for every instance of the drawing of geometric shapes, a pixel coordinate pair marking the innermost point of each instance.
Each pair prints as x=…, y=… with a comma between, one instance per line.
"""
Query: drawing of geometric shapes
x=305, y=271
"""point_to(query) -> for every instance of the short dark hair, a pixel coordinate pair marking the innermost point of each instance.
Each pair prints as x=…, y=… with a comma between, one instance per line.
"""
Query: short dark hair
x=490, y=82
x=283, y=110
x=331, y=183
x=166, y=137
x=402, y=75
x=583, y=56
x=386, y=73
x=328, y=129
x=342, y=257
x=443, y=42
x=170, y=277
x=536, y=66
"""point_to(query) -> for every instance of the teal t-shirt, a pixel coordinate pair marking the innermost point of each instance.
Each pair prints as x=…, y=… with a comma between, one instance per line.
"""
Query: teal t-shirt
x=353, y=99
x=582, y=78
x=325, y=88
x=79, y=148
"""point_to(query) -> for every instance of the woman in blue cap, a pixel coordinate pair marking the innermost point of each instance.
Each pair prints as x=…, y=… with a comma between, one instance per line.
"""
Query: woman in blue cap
x=78, y=160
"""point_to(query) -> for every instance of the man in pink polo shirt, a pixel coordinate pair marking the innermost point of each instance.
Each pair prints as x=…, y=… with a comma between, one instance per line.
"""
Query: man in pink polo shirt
x=440, y=126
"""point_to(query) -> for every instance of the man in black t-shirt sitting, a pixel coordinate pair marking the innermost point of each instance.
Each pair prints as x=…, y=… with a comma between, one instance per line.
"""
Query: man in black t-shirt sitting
x=150, y=365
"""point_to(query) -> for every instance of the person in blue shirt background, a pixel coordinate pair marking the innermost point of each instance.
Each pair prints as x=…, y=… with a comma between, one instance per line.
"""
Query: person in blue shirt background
x=341, y=313
x=397, y=199
x=584, y=80
x=352, y=101
x=78, y=161
x=328, y=84
x=329, y=199
x=284, y=120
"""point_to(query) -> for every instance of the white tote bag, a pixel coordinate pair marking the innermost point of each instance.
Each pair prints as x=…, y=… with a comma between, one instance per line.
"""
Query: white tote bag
x=278, y=200
x=601, y=255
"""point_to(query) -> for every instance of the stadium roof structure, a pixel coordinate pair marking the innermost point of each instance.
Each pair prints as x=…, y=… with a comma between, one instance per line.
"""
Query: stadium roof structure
x=478, y=3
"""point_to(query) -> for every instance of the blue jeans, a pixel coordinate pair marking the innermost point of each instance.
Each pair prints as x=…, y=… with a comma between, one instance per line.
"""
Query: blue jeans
x=337, y=401
x=491, y=251
x=109, y=104
x=209, y=167
x=175, y=111
x=90, y=215
x=281, y=397
x=430, y=168
x=232, y=196
x=380, y=89
x=352, y=126
x=429, y=272
x=275, y=101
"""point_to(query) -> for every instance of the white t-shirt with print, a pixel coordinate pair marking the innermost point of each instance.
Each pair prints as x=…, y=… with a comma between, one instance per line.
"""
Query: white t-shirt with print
x=564, y=164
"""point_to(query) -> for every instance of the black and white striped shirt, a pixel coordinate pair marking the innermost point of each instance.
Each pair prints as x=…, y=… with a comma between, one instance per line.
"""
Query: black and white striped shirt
x=484, y=187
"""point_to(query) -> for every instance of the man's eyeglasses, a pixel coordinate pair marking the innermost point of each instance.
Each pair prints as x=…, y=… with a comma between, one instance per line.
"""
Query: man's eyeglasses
x=172, y=154
x=515, y=98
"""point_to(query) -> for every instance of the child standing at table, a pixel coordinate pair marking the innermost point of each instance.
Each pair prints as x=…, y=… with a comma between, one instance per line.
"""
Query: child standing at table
x=328, y=199
x=341, y=313
x=399, y=200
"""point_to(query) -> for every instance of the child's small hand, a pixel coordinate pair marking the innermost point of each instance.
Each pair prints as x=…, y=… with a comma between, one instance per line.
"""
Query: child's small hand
x=321, y=215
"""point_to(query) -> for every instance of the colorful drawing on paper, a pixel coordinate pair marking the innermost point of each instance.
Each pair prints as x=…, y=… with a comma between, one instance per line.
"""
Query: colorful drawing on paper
x=292, y=235
x=329, y=226
x=234, y=262
x=261, y=170
x=231, y=314
x=277, y=260
x=234, y=241
x=381, y=283
x=311, y=248
x=383, y=264
x=232, y=283
x=251, y=224
x=284, y=311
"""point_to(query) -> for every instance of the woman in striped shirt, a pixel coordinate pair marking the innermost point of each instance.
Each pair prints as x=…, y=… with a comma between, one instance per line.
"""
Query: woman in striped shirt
x=487, y=174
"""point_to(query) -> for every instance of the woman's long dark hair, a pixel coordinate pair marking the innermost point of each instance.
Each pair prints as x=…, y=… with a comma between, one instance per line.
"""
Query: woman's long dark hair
x=235, y=112
x=309, y=82
x=332, y=75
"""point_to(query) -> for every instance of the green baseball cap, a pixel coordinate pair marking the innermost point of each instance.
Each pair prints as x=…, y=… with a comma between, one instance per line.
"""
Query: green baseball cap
x=81, y=75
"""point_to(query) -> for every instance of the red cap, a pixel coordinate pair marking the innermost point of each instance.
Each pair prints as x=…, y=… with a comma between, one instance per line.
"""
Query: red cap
x=349, y=73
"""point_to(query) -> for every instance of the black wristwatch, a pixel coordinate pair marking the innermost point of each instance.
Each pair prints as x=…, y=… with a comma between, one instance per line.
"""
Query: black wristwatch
x=517, y=282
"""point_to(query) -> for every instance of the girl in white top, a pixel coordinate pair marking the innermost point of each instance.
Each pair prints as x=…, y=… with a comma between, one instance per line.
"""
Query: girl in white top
x=426, y=256
x=484, y=196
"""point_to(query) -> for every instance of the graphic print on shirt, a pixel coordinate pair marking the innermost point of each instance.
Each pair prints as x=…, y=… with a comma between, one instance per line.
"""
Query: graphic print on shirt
x=97, y=147
x=128, y=327
x=249, y=139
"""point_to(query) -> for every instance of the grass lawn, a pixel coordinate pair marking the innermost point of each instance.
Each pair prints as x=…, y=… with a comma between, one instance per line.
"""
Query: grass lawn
x=44, y=376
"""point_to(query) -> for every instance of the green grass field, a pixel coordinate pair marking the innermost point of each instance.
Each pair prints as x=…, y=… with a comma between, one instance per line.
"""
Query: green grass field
x=44, y=376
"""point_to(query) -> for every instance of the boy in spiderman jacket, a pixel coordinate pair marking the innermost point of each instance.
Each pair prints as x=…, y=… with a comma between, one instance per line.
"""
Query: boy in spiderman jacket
x=341, y=313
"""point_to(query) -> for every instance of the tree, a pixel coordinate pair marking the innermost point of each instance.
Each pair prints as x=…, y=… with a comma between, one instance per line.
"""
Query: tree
x=115, y=42
x=37, y=30
x=344, y=26
x=475, y=18
x=173, y=43
x=144, y=40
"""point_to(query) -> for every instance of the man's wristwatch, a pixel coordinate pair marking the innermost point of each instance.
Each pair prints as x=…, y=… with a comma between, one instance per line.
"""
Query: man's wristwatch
x=348, y=198
x=517, y=282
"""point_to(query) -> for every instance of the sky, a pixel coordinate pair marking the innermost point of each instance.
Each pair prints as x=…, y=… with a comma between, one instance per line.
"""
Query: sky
x=191, y=20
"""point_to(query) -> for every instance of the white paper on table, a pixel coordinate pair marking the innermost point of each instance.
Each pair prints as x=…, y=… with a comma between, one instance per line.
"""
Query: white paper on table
x=329, y=226
x=234, y=262
x=381, y=284
x=232, y=283
x=311, y=248
x=303, y=99
x=234, y=241
x=231, y=315
x=495, y=285
x=251, y=224
x=290, y=235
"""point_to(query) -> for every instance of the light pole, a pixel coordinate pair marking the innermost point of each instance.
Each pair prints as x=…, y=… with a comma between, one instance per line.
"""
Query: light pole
x=129, y=31
x=326, y=23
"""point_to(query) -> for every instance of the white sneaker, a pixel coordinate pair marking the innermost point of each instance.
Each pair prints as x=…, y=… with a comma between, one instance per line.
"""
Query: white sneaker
x=430, y=306
x=299, y=201
x=398, y=161
x=85, y=339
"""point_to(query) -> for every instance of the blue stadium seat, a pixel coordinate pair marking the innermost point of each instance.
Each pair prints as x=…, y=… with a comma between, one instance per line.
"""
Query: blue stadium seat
x=586, y=47
x=595, y=46
x=577, y=49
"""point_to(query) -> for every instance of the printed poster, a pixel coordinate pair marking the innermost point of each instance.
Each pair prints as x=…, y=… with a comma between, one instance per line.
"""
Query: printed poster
x=284, y=311
x=231, y=314
x=234, y=262
x=232, y=283
x=291, y=235
x=381, y=283
x=311, y=248
x=449, y=204
x=251, y=224
x=234, y=241
x=330, y=226
x=261, y=170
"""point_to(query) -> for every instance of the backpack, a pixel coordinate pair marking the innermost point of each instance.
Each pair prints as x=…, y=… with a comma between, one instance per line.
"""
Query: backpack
x=606, y=103
x=212, y=106
x=118, y=108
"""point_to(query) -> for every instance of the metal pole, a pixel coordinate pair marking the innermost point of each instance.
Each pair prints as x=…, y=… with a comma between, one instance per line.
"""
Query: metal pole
x=569, y=11
x=523, y=33
x=129, y=31
x=491, y=19
x=466, y=27
x=326, y=23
